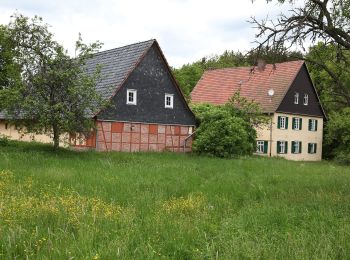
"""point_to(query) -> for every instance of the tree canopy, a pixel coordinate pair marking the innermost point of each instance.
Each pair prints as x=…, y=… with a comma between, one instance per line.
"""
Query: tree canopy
x=56, y=95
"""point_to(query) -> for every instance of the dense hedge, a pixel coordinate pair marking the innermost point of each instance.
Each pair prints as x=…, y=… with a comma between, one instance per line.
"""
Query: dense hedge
x=226, y=131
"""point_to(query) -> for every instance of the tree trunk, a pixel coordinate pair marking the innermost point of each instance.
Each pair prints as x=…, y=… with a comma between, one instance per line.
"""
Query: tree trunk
x=56, y=137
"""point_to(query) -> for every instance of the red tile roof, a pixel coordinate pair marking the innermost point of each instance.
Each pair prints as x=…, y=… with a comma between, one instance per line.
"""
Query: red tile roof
x=217, y=86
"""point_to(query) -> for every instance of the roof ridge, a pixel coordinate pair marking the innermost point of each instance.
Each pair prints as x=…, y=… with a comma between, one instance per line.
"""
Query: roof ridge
x=252, y=66
x=136, y=43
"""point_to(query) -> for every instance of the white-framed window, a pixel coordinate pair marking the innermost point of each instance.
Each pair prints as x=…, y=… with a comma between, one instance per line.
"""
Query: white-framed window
x=169, y=100
x=312, y=125
x=297, y=123
x=260, y=146
x=296, y=98
x=312, y=147
x=131, y=96
x=306, y=99
x=282, y=147
x=296, y=147
x=282, y=122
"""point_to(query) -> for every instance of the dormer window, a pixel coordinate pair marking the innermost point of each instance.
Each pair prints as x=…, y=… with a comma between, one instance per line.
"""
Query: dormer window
x=306, y=99
x=296, y=98
x=169, y=100
x=131, y=97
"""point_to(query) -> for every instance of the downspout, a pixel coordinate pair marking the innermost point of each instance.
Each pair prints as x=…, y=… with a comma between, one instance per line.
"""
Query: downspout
x=185, y=141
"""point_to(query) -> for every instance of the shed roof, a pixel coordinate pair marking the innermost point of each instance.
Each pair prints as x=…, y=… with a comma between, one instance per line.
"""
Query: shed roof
x=217, y=86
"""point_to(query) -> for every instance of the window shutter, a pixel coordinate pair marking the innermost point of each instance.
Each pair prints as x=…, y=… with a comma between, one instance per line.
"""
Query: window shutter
x=315, y=148
x=286, y=122
x=293, y=147
x=316, y=125
x=309, y=148
x=300, y=146
x=265, y=146
x=285, y=147
x=293, y=123
x=300, y=122
x=279, y=122
x=278, y=147
x=309, y=124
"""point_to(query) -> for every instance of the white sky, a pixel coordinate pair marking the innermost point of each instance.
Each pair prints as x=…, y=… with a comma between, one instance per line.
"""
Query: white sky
x=186, y=30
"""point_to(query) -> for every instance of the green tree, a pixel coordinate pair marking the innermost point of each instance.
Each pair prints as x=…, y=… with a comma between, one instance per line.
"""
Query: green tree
x=227, y=130
x=57, y=94
x=338, y=135
x=222, y=135
x=333, y=97
x=9, y=69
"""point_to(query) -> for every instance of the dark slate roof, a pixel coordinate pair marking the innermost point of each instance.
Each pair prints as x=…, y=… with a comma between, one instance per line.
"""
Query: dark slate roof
x=116, y=64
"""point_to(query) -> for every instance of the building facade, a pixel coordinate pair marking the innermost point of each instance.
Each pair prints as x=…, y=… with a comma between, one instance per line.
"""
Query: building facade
x=147, y=110
x=285, y=93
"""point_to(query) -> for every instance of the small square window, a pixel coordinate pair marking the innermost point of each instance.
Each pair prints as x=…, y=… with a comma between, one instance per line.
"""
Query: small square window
x=131, y=97
x=169, y=100
x=296, y=98
x=306, y=99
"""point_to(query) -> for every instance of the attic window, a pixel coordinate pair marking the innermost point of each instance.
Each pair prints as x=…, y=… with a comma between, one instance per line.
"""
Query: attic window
x=296, y=98
x=131, y=97
x=306, y=99
x=169, y=100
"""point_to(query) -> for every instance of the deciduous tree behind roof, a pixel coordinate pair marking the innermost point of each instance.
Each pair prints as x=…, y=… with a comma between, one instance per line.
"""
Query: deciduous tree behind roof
x=56, y=95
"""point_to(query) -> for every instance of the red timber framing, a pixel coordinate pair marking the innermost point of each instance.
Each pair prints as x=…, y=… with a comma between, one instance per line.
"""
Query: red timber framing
x=135, y=137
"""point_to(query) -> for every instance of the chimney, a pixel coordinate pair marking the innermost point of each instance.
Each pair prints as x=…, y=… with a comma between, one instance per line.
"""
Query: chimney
x=261, y=65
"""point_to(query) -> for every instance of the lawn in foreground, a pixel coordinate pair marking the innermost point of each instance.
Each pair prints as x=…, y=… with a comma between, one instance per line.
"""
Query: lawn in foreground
x=149, y=205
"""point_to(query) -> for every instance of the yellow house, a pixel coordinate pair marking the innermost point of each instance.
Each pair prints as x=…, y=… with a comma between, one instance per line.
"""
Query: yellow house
x=285, y=93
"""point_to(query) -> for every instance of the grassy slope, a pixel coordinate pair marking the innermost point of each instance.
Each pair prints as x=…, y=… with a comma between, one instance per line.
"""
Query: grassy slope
x=89, y=204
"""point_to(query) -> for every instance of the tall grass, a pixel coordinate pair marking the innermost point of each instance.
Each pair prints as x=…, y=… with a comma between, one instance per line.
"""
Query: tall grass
x=88, y=205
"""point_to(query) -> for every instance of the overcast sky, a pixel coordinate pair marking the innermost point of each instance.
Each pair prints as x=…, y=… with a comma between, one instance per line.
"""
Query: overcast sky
x=186, y=30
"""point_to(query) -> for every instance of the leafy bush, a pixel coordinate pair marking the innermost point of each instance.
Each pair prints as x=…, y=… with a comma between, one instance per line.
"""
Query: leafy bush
x=4, y=141
x=338, y=135
x=222, y=135
x=227, y=130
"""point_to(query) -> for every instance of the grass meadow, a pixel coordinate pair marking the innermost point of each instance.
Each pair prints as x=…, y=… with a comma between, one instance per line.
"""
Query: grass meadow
x=89, y=205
